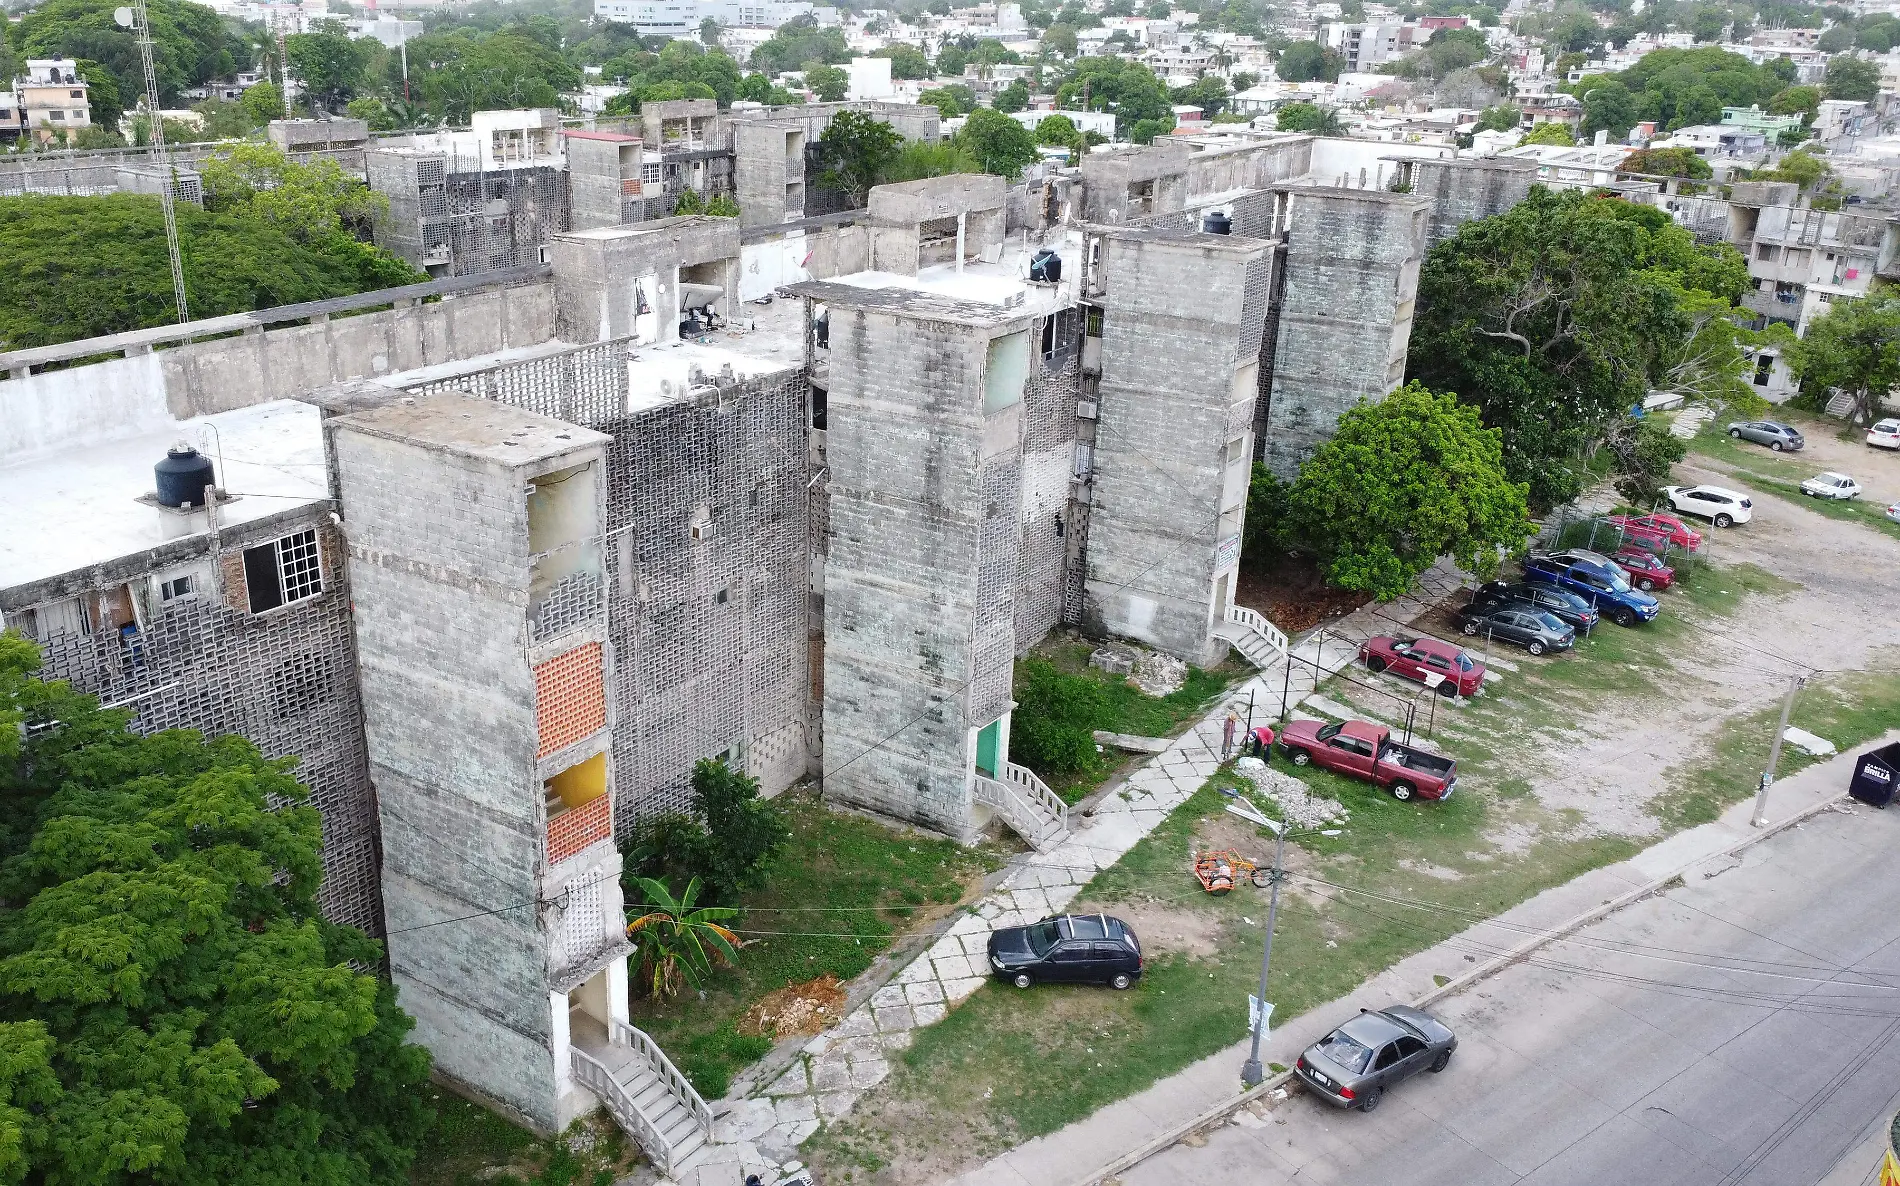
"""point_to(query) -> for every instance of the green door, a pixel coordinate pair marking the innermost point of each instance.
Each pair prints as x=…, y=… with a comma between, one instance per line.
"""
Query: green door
x=986, y=744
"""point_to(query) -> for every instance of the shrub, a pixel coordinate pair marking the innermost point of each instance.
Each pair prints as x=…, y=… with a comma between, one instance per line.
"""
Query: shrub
x=1053, y=729
x=727, y=843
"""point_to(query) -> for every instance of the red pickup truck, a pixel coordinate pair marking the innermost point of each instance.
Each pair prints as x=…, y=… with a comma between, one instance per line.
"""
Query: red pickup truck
x=1365, y=750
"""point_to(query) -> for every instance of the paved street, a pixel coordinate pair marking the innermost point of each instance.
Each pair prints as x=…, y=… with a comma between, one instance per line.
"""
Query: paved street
x=1742, y=1030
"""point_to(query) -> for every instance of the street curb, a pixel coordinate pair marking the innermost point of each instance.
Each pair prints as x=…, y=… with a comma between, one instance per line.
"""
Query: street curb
x=1232, y=1104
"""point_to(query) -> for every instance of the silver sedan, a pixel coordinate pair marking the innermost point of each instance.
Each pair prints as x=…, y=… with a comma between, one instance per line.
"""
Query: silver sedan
x=1356, y=1064
x=1773, y=433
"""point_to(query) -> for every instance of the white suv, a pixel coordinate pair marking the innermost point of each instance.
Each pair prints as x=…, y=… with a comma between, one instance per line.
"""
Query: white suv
x=1726, y=507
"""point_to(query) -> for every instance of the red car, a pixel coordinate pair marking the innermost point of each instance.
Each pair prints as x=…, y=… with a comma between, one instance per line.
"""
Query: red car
x=1646, y=570
x=1365, y=750
x=1420, y=658
x=1659, y=529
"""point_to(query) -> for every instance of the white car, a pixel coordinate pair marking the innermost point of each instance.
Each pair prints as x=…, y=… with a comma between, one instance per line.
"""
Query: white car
x=1885, y=435
x=1724, y=506
x=1831, y=485
x=1893, y=512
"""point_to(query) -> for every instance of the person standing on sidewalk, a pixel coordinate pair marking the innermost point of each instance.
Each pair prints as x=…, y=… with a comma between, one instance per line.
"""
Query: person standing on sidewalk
x=1227, y=730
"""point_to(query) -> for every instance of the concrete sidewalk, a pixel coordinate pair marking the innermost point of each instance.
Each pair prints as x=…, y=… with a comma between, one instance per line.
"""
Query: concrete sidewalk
x=1088, y=1150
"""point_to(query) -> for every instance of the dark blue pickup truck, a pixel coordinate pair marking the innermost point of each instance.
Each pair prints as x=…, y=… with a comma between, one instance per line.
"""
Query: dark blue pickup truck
x=1596, y=579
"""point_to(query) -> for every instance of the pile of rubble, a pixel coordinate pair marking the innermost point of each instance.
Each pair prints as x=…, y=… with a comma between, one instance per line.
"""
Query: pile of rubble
x=1298, y=806
x=1154, y=673
x=798, y=1009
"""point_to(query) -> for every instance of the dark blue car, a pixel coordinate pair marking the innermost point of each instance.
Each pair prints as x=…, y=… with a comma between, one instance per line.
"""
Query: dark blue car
x=1596, y=579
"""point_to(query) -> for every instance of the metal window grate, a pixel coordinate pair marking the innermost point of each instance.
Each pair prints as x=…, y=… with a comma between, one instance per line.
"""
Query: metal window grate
x=301, y=566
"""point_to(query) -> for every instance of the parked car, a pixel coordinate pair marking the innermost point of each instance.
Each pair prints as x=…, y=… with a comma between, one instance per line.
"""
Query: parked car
x=1885, y=434
x=1723, y=506
x=1776, y=435
x=1567, y=608
x=1893, y=512
x=1597, y=579
x=1067, y=949
x=1356, y=1064
x=1831, y=485
x=1659, y=529
x=1423, y=658
x=1645, y=570
x=1366, y=751
x=1533, y=629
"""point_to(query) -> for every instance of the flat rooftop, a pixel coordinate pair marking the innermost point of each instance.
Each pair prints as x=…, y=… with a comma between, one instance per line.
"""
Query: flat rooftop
x=77, y=506
x=471, y=427
x=1004, y=284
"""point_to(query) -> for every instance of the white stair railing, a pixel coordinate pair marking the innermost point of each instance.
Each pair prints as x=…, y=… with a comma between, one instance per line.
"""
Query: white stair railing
x=681, y=1088
x=597, y=1079
x=1241, y=616
x=1038, y=793
x=1018, y=811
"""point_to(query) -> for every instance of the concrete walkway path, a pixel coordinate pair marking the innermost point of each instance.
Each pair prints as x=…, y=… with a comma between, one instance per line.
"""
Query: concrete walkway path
x=1089, y=1150
x=765, y=1127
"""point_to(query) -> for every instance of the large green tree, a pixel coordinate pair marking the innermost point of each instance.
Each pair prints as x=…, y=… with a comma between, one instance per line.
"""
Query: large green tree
x=328, y=63
x=998, y=142
x=462, y=71
x=907, y=61
x=191, y=45
x=1854, y=349
x=83, y=267
x=1129, y=89
x=1307, y=61
x=856, y=149
x=1609, y=108
x=1852, y=78
x=173, y=1010
x=1557, y=316
x=1402, y=482
x=798, y=41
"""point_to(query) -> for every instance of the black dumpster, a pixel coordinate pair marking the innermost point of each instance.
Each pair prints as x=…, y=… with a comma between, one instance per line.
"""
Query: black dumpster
x=1876, y=775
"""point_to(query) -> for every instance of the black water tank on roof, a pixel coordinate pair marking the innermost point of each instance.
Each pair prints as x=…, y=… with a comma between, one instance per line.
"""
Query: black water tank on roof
x=1046, y=267
x=183, y=476
x=1216, y=222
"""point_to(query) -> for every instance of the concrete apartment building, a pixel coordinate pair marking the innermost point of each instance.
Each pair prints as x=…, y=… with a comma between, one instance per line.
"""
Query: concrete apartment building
x=46, y=101
x=605, y=516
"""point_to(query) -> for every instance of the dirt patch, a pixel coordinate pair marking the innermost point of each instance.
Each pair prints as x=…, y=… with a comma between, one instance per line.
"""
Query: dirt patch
x=1293, y=595
x=797, y=1010
x=1167, y=929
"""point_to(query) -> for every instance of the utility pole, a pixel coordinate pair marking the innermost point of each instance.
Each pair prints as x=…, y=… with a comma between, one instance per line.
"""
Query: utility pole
x=1760, y=818
x=1251, y=1072
x=139, y=21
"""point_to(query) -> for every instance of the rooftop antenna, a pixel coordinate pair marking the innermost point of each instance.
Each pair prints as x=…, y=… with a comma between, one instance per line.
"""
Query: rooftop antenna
x=136, y=19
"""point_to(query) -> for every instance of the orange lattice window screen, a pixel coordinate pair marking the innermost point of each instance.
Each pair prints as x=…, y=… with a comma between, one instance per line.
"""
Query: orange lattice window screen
x=571, y=831
x=570, y=699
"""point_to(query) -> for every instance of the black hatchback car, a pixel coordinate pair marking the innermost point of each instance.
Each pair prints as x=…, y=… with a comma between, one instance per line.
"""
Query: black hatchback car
x=1067, y=948
x=1566, y=607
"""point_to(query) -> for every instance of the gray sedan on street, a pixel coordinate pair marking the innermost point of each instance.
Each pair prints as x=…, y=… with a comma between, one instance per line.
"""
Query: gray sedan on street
x=1353, y=1066
x=1773, y=433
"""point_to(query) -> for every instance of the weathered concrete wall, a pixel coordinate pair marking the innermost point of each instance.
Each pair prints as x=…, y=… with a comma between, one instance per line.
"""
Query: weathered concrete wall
x=1255, y=166
x=119, y=396
x=1182, y=317
x=1111, y=179
x=768, y=159
x=596, y=273
x=441, y=573
x=910, y=221
x=1469, y=188
x=594, y=180
x=924, y=529
x=1345, y=317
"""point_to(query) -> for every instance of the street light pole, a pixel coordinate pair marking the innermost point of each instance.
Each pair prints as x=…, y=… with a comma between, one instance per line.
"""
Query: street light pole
x=1251, y=1072
x=1760, y=818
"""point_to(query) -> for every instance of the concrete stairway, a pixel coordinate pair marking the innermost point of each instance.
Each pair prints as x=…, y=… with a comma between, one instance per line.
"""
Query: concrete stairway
x=643, y=1090
x=1027, y=805
x=1259, y=640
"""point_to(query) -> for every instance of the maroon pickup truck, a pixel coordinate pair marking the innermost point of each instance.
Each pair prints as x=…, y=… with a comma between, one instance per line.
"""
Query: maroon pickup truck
x=1365, y=750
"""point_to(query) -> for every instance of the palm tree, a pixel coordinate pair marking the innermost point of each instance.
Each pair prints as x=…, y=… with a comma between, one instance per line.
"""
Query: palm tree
x=1327, y=123
x=676, y=941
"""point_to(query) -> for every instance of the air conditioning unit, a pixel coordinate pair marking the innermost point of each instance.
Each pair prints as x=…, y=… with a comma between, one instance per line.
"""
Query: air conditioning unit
x=1085, y=409
x=700, y=531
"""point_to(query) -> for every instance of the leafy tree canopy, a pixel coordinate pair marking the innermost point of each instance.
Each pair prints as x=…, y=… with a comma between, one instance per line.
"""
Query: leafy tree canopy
x=918, y=159
x=907, y=61
x=1000, y=144
x=1132, y=88
x=1855, y=348
x=950, y=101
x=1667, y=162
x=329, y=63
x=796, y=42
x=1404, y=481
x=1308, y=117
x=1558, y=315
x=462, y=71
x=83, y=267
x=191, y=44
x=173, y=1010
x=829, y=84
x=104, y=104
x=1550, y=132
x=1796, y=100
x=693, y=71
x=1680, y=87
x=1011, y=98
x=1609, y=108
x=1854, y=79
x=1501, y=118
x=856, y=149
x=1308, y=61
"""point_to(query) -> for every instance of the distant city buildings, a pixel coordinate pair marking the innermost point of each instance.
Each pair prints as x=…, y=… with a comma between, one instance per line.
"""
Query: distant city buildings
x=50, y=98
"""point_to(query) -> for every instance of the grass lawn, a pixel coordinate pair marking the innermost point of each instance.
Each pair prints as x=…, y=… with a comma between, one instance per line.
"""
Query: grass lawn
x=1126, y=709
x=839, y=895
x=1781, y=474
x=1007, y=1066
x=471, y=1146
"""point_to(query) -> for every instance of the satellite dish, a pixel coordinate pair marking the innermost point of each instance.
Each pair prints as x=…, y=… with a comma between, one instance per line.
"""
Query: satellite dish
x=123, y=16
